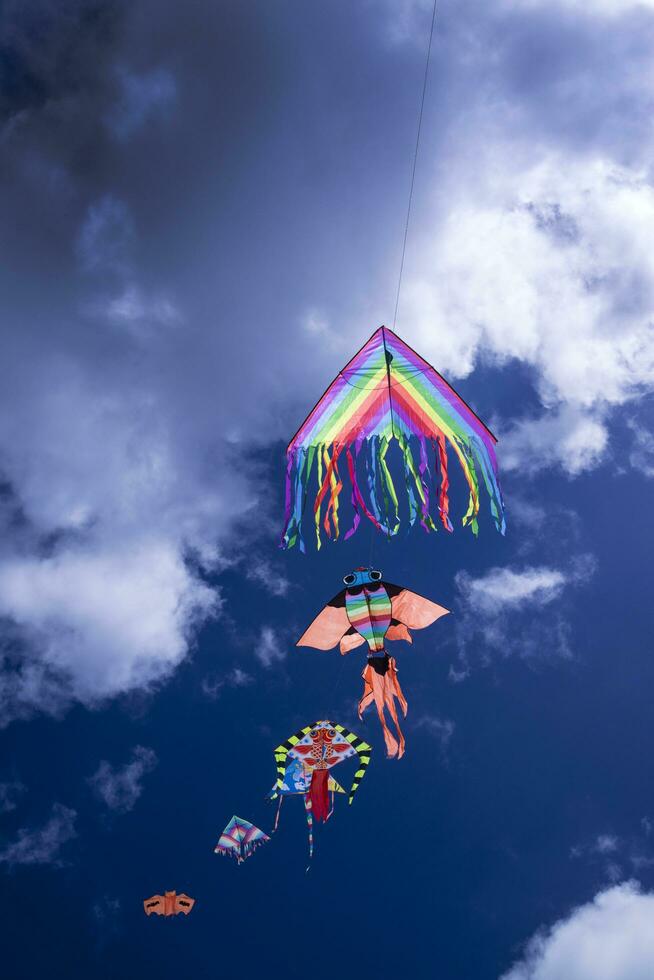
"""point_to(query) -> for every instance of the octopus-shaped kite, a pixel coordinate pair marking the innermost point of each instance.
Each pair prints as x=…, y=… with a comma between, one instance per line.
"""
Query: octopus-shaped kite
x=371, y=611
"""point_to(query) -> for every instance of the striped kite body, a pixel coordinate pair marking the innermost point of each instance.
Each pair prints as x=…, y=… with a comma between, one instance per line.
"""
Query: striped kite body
x=369, y=613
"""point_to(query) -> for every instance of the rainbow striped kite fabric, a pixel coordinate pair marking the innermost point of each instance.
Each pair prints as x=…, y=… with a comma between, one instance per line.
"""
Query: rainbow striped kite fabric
x=239, y=839
x=388, y=394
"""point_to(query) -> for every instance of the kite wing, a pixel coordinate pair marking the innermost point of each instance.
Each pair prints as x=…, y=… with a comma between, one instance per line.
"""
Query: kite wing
x=239, y=839
x=412, y=611
x=154, y=904
x=351, y=640
x=297, y=780
x=329, y=626
x=388, y=394
x=184, y=904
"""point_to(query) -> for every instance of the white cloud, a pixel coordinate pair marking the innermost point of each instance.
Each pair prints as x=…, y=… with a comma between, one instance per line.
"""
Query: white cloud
x=572, y=438
x=504, y=588
x=527, y=513
x=103, y=621
x=610, y=938
x=607, y=850
x=142, y=97
x=442, y=729
x=240, y=678
x=606, y=844
x=490, y=616
x=105, y=909
x=589, y=8
x=612, y=853
x=106, y=237
x=550, y=263
x=407, y=21
x=139, y=315
x=102, y=576
x=537, y=243
x=264, y=573
x=269, y=649
x=315, y=323
x=42, y=845
x=212, y=685
x=641, y=456
x=9, y=794
x=319, y=329
x=120, y=787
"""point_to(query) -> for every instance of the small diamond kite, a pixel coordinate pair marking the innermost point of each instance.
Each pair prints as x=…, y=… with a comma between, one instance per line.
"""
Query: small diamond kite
x=239, y=839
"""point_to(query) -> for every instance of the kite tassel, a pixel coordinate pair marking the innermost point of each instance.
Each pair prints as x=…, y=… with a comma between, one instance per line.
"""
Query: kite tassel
x=426, y=519
x=382, y=690
x=320, y=794
x=440, y=451
x=308, y=810
x=333, y=483
x=279, y=810
x=414, y=476
x=291, y=518
x=390, y=496
x=295, y=497
x=357, y=499
x=371, y=474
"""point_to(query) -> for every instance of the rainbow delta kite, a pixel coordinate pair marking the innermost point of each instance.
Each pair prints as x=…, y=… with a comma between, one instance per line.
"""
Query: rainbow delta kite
x=387, y=393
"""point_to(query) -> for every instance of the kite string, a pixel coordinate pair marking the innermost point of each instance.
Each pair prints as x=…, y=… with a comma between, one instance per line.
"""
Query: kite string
x=331, y=702
x=415, y=161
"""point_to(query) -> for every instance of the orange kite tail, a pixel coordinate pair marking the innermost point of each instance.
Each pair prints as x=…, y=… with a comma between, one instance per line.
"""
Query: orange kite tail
x=383, y=689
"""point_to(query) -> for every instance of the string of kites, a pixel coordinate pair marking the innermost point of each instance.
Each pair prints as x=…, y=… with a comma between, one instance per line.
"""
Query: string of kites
x=386, y=397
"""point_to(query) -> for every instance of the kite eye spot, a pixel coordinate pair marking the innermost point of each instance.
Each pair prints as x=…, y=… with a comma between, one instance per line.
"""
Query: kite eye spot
x=349, y=579
x=375, y=575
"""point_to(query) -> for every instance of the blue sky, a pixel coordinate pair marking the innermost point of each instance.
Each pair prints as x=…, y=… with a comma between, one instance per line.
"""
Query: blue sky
x=203, y=217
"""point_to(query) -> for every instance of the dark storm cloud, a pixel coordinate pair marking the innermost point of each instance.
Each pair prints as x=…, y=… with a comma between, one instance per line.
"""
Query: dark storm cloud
x=51, y=50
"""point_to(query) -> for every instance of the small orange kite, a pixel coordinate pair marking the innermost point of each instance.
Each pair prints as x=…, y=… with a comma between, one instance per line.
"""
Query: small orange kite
x=170, y=903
